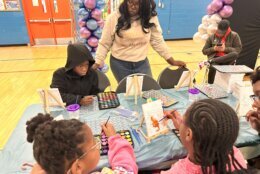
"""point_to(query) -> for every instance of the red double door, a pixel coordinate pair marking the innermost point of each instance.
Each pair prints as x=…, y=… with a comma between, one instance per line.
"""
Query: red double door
x=49, y=22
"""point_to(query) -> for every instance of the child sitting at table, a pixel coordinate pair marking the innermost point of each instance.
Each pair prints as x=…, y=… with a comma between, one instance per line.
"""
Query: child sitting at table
x=208, y=131
x=77, y=81
x=68, y=147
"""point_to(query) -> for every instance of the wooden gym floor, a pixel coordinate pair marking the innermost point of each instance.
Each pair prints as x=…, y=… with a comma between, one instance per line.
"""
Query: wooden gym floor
x=25, y=69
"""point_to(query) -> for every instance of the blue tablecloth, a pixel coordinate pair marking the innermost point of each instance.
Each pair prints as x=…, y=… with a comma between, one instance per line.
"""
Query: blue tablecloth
x=149, y=156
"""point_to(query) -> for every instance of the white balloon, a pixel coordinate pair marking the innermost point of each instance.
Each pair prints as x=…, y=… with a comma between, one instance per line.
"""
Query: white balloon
x=202, y=28
x=216, y=18
x=212, y=29
x=205, y=19
x=197, y=37
x=204, y=37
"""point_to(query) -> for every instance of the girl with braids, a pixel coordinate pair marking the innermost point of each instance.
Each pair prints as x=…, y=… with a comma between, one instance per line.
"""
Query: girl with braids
x=127, y=34
x=68, y=147
x=208, y=131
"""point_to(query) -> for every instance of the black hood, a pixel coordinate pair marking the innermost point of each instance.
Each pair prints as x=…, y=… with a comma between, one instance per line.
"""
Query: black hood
x=78, y=53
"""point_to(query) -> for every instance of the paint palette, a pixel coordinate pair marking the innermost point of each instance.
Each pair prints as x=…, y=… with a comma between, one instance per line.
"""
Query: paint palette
x=212, y=91
x=233, y=68
x=107, y=100
x=158, y=95
x=104, y=140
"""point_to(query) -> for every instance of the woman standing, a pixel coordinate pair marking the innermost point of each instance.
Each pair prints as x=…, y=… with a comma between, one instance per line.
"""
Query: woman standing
x=127, y=34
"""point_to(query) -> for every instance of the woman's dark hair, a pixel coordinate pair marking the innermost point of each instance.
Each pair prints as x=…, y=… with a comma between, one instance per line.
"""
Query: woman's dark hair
x=215, y=128
x=146, y=12
x=55, y=143
x=256, y=75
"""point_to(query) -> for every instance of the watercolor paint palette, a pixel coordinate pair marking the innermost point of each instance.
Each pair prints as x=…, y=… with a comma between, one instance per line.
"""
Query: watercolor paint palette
x=107, y=100
x=212, y=91
x=104, y=140
x=158, y=95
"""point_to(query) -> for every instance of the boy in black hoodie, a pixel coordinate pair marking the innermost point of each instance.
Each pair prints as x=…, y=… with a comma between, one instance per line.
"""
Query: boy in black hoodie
x=77, y=81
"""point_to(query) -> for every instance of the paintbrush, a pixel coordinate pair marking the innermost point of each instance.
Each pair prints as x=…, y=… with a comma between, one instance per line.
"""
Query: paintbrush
x=166, y=116
x=105, y=124
x=107, y=120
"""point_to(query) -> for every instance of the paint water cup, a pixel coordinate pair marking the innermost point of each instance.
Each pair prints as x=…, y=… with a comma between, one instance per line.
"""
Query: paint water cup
x=73, y=111
x=193, y=94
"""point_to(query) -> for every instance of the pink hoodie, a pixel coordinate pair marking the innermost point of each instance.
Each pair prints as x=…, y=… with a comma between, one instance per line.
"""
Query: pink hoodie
x=121, y=155
x=185, y=166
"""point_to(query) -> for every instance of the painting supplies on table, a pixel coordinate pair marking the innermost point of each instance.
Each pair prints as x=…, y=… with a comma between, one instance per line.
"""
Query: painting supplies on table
x=108, y=100
x=158, y=95
x=104, y=140
x=152, y=112
x=126, y=113
x=136, y=135
x=212, y=91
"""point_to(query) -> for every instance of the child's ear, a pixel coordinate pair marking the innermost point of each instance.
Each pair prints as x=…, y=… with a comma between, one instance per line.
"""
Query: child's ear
x=79, y=168
x=188, y=135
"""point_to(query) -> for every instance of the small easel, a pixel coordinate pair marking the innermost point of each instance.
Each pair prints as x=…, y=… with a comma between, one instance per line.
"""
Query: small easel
x=137, y=89
x=205, y=78
x=147, y=138
x=191, y=75
x=157, y=106
x=47, y=96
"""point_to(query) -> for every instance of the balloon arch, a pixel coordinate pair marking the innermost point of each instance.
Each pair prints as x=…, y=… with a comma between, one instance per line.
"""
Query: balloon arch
x=216, y=11
x=90, y=25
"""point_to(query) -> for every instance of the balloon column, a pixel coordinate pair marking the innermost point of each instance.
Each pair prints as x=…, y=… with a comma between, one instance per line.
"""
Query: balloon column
x=216, y=10
x=90, y=24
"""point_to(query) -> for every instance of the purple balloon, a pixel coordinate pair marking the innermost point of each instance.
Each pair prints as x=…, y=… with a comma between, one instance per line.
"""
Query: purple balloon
x=228, y=1
x=82, y=23
x=226, y=11
x=96, y=14
x=84, y=33
x=216, y=5
x=210, y=11
x=90, y=4
x=93, y=42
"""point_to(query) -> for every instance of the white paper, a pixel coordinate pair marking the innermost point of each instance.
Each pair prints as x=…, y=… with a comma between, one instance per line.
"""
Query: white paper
x=129, y=81
x=153, y=110
x=52, y=101
x=186, y=78
x=35, y=3
x=226, y=80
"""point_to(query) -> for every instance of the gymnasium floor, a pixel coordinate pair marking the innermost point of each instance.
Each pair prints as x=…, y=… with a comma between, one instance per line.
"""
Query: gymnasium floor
x=25, y=69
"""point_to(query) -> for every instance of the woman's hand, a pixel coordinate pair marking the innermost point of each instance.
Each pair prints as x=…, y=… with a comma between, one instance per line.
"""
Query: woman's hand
x=176, y=62
x=95, y=66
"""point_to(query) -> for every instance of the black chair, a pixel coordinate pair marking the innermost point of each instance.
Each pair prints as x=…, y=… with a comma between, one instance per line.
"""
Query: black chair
x=169, y=78
x=103, y=81
x=148, y=83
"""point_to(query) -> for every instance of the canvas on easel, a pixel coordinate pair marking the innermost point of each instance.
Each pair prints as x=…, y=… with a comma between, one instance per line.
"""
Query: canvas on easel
x=50, y=97
x=152, y=114
x=186, y=79
x=134, y=85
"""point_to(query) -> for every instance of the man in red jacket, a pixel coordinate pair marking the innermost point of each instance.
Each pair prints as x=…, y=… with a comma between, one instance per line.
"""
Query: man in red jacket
x=222, y=48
